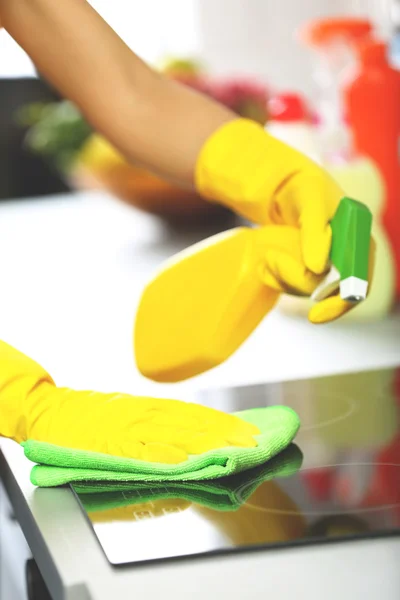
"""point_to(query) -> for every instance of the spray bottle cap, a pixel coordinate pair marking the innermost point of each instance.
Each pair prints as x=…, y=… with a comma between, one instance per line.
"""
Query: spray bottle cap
x=351, y=239
x=319, y=32
x=289, y=108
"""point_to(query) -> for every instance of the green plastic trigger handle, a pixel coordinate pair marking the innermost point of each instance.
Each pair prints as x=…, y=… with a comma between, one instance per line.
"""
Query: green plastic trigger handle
x=351, y=240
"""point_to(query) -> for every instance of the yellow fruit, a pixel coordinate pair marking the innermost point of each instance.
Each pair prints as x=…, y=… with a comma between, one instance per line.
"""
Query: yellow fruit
x=99, y=164
x=97, y=154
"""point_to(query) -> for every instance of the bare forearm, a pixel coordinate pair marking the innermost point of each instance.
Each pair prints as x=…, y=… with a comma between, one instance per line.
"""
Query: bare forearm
x=152, y=120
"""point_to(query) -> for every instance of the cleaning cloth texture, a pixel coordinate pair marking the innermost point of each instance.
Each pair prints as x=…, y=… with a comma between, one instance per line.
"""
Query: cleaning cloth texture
x=227, y=494
x=56, y=465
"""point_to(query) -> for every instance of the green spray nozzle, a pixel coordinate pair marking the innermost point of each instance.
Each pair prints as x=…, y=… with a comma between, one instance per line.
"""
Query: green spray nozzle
x=351, y=240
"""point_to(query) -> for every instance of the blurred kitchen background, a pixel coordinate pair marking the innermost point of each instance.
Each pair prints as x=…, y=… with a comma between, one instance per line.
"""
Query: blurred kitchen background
x=251, y=43
x=81, y=230
x=323, y=76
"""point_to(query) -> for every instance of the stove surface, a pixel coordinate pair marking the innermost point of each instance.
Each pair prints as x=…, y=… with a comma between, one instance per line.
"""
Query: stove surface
x=339, y=481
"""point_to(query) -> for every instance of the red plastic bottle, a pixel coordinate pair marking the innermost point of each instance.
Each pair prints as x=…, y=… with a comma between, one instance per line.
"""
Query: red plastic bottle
x=372, y=105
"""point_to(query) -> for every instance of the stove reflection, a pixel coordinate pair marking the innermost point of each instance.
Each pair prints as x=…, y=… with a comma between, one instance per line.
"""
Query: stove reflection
x=344, y=482
x=246, y=509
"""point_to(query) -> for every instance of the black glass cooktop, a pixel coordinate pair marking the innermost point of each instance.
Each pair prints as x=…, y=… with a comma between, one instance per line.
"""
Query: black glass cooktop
x=339, y=481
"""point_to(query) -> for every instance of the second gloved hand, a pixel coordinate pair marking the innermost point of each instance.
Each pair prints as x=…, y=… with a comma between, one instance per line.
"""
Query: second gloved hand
x=155, y=430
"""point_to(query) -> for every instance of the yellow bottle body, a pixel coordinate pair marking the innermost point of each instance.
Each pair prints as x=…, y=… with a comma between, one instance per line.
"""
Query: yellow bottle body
x=202, y=306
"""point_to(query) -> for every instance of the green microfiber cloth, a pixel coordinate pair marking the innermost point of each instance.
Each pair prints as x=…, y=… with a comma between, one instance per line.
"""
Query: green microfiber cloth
x=57, y=465
x=227, y=494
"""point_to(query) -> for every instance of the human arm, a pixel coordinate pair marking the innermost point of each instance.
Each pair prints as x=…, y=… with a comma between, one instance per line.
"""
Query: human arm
x=176, y=132
x=32, y=407
x=152, y=120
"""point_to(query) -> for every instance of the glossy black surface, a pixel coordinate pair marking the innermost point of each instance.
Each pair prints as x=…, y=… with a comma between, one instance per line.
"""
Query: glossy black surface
x=340, y=481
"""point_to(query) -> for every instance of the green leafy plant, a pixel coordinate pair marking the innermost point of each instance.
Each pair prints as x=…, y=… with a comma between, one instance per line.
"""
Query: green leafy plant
x=56, y=131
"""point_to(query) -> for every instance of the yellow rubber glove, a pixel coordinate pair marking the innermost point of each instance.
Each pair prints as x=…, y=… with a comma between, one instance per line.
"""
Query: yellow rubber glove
x=283, y=269
x=267, y=182
x=156, y=430
x=285, y=272
x=205, y=302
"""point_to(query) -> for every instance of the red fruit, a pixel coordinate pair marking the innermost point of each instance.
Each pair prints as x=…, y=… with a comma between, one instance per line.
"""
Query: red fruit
x=246, y=97
x=232, y=92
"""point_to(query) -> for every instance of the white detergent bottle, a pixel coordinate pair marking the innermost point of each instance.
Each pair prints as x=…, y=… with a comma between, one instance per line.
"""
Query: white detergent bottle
x=290, y=121
x=360, y=179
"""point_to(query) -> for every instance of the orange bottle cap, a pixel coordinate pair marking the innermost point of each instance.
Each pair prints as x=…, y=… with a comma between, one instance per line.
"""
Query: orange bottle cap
x=323, y=31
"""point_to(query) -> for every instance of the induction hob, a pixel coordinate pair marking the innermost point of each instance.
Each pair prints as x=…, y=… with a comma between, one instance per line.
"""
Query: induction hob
x=339, y=481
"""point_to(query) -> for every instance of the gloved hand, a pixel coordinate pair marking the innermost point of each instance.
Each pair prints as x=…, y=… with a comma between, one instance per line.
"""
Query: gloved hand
x=155, y=430
x=285, y=272
x=267, y=182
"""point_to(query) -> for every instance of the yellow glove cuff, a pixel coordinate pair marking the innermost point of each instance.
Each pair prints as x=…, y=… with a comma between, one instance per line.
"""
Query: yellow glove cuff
x=242, y=166
x=21, y=379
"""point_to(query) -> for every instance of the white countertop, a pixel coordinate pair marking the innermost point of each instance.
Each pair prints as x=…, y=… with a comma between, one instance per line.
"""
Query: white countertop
x=72, y=270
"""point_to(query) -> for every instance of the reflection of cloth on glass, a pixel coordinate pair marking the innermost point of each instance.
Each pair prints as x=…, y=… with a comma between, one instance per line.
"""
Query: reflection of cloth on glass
x=269, y=516
x=225, y=494
x=58, y=465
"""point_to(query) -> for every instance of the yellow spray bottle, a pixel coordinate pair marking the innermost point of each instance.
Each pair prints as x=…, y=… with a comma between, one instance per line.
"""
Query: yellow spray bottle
x=207, y=300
